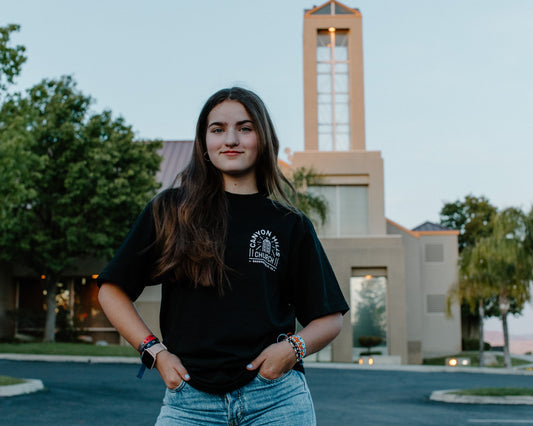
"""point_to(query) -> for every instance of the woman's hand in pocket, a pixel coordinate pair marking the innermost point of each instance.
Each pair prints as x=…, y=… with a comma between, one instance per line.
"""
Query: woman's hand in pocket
x=275, y=360
x=171, y=369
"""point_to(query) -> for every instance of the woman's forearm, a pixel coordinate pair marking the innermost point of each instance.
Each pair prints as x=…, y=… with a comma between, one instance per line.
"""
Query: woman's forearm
x=320, y=332
x=122, y=313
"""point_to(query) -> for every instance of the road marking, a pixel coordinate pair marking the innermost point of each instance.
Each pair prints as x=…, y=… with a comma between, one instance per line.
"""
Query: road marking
x=500, y=421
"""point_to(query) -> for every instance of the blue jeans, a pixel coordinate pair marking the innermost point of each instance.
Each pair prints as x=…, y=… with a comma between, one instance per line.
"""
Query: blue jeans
x=282, y=401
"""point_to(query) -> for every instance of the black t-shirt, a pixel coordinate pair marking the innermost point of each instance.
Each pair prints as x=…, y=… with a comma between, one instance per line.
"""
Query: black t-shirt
x=278, y=272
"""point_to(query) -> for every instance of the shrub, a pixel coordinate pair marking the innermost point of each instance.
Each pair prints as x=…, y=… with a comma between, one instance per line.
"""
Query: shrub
x=472, y=344
x=369, y=341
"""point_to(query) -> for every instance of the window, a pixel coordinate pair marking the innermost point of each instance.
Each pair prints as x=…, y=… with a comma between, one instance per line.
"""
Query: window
x=333, y=89
x=434, y=253
x=347, y=210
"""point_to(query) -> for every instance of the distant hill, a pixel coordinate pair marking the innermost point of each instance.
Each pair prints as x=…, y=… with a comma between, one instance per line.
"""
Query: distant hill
x=519, y=344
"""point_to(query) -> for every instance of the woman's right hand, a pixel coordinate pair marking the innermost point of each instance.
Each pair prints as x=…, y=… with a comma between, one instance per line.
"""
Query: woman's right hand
x=171, y=369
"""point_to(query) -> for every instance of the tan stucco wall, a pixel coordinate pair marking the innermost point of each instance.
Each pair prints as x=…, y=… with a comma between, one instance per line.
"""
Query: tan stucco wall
x=441, y=334
x=351, y=168
x=148, y=304
x=413, y=288
x=429, y=333
x=384, y=252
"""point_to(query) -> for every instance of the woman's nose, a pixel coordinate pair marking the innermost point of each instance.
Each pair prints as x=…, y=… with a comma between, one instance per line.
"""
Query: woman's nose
x=231, y=138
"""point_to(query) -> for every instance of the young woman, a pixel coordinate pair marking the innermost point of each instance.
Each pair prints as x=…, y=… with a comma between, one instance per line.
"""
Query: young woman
x=237, y=269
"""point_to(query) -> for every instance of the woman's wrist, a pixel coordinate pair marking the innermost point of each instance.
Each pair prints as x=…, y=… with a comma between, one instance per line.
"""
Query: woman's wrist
x=297, y=343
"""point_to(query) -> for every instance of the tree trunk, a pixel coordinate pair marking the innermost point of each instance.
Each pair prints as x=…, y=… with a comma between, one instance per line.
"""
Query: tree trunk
x=51, y=305
x=481, y=334
x=506, y=352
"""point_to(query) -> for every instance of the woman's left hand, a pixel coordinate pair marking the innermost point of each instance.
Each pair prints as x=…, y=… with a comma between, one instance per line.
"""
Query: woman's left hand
x=274, y=361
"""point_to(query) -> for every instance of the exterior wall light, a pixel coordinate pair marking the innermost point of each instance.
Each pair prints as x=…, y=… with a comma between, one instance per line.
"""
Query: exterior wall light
x=368, y=361
x=457, y=362
x=331, y=29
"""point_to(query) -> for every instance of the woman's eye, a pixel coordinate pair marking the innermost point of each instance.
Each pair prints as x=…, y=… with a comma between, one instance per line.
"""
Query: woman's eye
x=216, y=130
x=246, y=129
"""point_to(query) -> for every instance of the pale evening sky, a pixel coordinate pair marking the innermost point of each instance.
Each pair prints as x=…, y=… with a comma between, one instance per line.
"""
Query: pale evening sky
x=448, y=85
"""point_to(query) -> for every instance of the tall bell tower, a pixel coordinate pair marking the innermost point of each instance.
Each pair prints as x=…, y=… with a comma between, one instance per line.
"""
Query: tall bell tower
x=333, y=78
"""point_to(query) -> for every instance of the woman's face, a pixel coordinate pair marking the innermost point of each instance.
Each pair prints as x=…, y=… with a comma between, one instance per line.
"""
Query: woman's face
x=231, y=141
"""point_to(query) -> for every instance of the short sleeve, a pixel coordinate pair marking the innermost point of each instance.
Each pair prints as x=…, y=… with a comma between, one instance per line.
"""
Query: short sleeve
x=132, y=266
x=316, y=292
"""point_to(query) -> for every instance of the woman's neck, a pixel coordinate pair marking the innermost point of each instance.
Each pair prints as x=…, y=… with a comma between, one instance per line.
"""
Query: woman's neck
x=240, y=185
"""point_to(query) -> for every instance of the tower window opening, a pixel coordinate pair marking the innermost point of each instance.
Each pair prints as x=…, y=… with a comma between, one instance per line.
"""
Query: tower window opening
x=333, y=89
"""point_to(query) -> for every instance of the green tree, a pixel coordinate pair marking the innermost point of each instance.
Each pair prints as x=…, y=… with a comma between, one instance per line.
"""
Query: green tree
x=497, y=270
x=11, y=57
x=472, y=217
x=71, y=183
x=312, y=205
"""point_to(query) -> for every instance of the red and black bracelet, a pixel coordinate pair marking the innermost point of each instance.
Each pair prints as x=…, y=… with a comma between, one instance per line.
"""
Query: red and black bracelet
x=147, y=340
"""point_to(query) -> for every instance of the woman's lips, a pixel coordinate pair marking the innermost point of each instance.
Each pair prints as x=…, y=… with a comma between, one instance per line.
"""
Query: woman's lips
x=231, y=153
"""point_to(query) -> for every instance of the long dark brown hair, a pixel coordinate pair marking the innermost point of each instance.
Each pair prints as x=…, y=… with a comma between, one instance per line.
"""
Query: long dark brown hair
x=191, y=223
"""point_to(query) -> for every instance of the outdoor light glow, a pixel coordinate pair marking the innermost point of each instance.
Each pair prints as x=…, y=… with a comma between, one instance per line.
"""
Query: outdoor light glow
x=457, y=362
x=43, y=277
x=369, y=361
x=331, y=29
x=94, y=276
x=368, y=277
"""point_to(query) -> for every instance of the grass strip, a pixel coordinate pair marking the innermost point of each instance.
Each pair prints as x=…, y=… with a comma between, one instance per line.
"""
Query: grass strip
x=505, y=391
x=55, y=348
x=7, y=381
x=474, y=360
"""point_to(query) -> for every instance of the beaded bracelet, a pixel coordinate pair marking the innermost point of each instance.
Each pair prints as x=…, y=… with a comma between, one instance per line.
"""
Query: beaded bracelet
x=297, y=344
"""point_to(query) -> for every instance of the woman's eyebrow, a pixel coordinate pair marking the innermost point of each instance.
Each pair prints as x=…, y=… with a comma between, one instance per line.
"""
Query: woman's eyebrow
x=220, y=123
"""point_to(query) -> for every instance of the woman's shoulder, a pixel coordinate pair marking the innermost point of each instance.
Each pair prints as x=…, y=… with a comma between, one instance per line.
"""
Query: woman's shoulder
x=291, y=213
x=169, y=194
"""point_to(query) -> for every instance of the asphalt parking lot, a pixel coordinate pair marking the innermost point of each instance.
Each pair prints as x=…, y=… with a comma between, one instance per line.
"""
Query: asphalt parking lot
x=110, y=394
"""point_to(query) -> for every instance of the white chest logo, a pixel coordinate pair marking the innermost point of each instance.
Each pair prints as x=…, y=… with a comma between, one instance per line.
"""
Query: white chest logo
x=264, y=248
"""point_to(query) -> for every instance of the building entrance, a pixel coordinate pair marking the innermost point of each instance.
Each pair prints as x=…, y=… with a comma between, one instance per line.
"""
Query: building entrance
x=368, y=310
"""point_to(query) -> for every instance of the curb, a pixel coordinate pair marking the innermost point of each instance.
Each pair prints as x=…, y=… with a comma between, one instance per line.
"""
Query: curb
x=447, y=396
x=73, y=358
x=29, y=386
x=420, y=368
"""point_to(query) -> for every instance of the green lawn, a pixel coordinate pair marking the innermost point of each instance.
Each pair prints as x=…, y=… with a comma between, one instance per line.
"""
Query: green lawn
x=495, y=392
x=7, y=381
x=474, y=360
x=67, y=349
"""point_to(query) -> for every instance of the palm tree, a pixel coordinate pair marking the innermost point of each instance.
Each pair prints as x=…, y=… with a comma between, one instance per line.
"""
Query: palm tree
x=472, y=289
x=510, y=264
x=312, y=205
x=498, y=270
